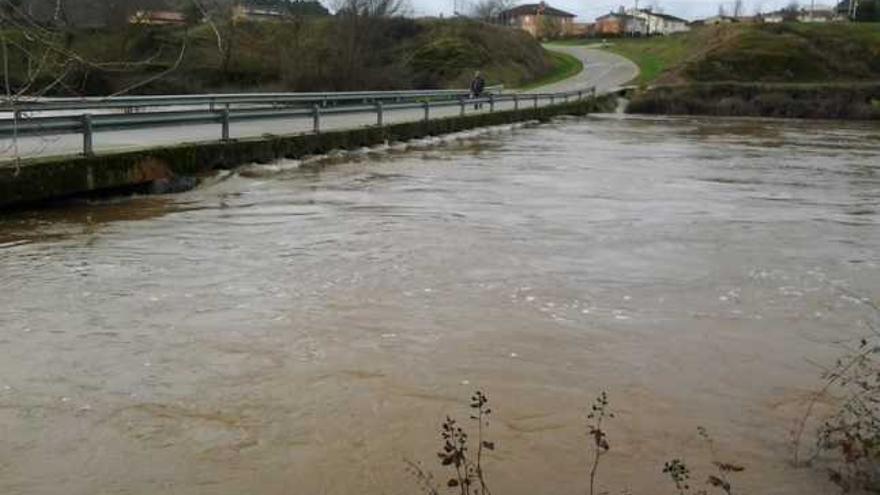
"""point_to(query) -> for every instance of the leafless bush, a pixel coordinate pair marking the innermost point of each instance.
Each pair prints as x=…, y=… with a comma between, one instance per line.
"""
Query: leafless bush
x=849, y=437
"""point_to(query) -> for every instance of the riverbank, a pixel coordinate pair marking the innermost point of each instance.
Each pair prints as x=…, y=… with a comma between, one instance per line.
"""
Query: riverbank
x=772, y=70
x=36, y=180
x=814, y=101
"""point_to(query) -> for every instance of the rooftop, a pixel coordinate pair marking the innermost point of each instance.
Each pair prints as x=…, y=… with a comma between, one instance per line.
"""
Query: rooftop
x=663, y=16
x=536, y=9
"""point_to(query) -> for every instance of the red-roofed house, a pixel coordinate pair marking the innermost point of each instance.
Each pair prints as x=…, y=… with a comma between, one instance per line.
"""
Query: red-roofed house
x=540, y=20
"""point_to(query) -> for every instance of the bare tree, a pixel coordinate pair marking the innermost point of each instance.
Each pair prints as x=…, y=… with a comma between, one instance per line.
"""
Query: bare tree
x=722, y=10
x=40, y=55
x=372, y=8
x=738, y=8
x=490, y=10
x=791, y=11
x=758, y=8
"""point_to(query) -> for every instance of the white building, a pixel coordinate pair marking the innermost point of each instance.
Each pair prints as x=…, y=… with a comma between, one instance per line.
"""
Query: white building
x=657, y=23
x=819, y=13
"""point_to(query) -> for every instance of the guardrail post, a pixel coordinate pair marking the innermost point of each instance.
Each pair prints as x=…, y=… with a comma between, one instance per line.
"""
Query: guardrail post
x=379, y=113
x=580, y=95
x=491, y=103
x=552, y=99
x=536, y=101
x=593, y=92
x=461, y=103
x=566, y=97
x=427, y=107
x=88, y=148
x=316, y=118
x=225, y=124
x=516, y=102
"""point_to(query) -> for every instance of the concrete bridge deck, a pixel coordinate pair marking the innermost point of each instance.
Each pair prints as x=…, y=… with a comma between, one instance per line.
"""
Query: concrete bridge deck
x=602, y=70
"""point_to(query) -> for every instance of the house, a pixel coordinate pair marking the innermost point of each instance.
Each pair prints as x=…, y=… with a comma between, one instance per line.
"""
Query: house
x=660, y=24
x=820, y=14
x=619, y=24
x=815, y=14
x=580, y=29
x=157, y=18
x=540, y=20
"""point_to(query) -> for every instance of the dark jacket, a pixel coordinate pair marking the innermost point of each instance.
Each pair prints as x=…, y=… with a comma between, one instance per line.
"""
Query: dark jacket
x=478, y=85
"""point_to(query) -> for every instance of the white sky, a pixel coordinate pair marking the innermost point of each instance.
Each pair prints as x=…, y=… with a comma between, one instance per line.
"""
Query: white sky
x=589, y=10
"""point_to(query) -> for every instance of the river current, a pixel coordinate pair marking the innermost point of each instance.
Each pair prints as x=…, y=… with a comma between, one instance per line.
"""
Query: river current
x=306, y=330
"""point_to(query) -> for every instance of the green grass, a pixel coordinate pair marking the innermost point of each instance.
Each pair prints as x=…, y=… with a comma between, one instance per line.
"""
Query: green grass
x=790, y=52
x=654, y=56
x=564, y=66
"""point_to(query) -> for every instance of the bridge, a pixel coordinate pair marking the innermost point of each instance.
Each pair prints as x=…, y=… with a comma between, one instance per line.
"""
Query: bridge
x=69, y=130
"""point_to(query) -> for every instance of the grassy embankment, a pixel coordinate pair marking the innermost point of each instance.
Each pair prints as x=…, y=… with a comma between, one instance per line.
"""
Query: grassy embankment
x=564, y=66
x=780, y=70
x=310, y=54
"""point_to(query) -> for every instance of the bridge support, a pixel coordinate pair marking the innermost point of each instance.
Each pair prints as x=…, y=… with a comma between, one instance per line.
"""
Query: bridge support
x=316, y=119
x=88, y=145
x=225, y=124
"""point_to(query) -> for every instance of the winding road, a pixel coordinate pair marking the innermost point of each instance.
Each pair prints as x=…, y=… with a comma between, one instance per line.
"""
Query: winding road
x=602, y=69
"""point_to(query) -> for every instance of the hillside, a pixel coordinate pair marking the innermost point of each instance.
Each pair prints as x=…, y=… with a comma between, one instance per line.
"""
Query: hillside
x=308, y=54
x=789, y=52
x=771, y=70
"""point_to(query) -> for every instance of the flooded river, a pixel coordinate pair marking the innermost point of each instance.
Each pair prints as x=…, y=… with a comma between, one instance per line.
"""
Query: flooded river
x=293, y=331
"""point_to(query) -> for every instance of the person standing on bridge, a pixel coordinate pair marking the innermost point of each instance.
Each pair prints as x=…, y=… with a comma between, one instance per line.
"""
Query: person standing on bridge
x=477, y=87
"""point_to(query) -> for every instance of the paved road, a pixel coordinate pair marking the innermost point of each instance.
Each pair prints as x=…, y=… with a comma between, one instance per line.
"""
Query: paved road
x=601, y=69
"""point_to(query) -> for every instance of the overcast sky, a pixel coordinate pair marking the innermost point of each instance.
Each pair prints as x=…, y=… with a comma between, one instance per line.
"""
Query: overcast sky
x=589, y=10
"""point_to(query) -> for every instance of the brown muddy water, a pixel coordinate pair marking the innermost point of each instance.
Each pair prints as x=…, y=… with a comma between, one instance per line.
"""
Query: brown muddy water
x=286, y=331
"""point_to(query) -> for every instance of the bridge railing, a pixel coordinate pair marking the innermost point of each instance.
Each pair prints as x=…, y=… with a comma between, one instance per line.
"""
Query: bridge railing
x=88, y=124
x=131, y=104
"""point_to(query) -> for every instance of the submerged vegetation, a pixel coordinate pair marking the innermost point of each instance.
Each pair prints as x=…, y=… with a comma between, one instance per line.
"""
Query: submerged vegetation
x=846, y=441
x=467, y=477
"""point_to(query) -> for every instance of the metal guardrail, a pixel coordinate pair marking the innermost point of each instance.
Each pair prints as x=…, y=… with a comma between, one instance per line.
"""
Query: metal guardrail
x=88, y=124
x=211, y=101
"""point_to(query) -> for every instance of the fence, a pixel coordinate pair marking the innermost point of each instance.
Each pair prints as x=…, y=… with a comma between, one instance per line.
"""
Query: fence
x=88, y=124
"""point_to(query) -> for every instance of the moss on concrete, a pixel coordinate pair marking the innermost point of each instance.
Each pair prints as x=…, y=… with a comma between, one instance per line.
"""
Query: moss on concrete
x=43, y=179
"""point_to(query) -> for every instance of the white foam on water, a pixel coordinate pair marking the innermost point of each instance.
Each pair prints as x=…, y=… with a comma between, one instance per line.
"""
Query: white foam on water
x=461, y=138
